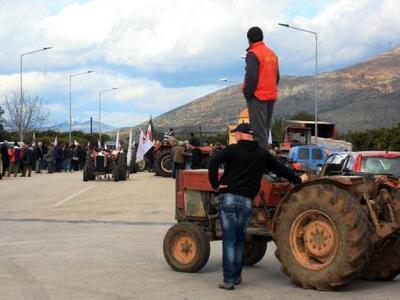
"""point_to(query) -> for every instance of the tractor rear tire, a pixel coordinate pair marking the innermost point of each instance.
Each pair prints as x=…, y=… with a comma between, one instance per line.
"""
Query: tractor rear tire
x=322, y=237
x=85, y=174
x=121, y=166
x=163, y=164
x=186, y=247
x=88, y=174
x=254, y=250
x=385, y=260
x=115, y=172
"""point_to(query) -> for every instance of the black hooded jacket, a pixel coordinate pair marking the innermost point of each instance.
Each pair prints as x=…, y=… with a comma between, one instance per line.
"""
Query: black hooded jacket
x=245, y=163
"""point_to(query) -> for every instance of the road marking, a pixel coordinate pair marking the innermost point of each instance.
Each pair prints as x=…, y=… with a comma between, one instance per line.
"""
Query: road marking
x=59, y=203
x=89, y=222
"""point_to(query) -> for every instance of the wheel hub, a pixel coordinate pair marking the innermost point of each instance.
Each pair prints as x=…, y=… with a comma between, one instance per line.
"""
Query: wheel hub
x=184, y=249
x=318, y=238
x=313, y=240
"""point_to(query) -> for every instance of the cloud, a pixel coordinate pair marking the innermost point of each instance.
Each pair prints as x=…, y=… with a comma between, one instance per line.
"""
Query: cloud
x=136, y=97
x=149, y=49
x=348, y=32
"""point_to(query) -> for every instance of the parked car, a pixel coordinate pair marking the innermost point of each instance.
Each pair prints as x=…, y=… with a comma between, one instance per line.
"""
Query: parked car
x=372, y=162
x=375, y=162
x=310, y=157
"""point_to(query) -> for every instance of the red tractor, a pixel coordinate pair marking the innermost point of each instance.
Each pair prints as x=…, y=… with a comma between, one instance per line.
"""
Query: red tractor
x=163, y=159
x=328, y=231
x=100, y=165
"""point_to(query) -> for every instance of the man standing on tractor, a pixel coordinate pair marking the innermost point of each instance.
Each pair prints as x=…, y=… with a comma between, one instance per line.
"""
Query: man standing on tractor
x=260, y=85
x=245, y=163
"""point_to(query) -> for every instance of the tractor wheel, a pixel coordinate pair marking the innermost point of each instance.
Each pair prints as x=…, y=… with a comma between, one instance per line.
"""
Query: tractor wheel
x=322, y=237
x=385, y=260
x=85, y=174
x=115, y=172
x=254, y=251
x=143, y=165
x=186, y=247
x=163, y=164
x=121, y=169
x=88, y=173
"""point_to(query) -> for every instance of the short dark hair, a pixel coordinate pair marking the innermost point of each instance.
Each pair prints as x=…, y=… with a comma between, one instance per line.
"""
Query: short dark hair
x=255, y=34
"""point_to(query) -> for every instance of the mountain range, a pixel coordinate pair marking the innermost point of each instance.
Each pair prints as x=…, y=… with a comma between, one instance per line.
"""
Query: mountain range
x=363, y=96
x=81, y=126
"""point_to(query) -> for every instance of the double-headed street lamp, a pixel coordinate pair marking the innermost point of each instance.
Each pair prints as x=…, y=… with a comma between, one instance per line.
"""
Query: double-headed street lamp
x=22, y=55
x=316, y=73
x=100, y=92
x=70, y=102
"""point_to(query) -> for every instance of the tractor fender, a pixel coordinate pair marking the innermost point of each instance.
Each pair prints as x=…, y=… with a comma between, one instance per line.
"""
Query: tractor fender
x=338, y=182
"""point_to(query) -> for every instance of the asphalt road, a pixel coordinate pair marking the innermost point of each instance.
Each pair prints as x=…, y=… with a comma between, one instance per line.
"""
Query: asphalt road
x=62, y=238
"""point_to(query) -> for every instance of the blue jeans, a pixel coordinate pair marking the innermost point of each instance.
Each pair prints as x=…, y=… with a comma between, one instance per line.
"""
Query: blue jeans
x=67, y=164
x=235, y=213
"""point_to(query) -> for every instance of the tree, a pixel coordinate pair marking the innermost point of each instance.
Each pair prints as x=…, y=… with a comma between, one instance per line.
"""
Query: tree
x=24, y=113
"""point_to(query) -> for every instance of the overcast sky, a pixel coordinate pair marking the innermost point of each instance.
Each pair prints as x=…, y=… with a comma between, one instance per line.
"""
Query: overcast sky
x=162, y=54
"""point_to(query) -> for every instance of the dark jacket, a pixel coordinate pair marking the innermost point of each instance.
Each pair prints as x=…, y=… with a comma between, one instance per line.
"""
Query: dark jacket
x=4, y=154
x=245, y=163
x=27, y=156
x=58, y=153
x=39, y=152
x=67, y=153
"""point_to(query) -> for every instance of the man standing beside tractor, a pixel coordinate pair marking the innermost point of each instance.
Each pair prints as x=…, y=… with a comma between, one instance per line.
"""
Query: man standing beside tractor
x=245, y=163
x=260, y=85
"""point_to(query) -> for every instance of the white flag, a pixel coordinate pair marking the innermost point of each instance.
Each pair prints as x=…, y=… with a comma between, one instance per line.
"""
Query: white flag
x=76, y=143
x=34, y=139
x=99, y=144
x=270, y=138
x=117, y=141
x=144, y=145
x=129, y=154
x=55, y=141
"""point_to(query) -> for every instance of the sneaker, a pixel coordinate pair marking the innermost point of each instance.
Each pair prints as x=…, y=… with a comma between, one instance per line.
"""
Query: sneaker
x=226, y=286
x=238, y=280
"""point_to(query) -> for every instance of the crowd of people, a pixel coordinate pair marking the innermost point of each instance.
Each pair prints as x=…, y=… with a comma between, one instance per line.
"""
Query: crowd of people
x=23, y=159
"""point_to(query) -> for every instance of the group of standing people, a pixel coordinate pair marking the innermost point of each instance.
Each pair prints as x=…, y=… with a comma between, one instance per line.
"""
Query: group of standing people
x=187, y=155
x=23, y=158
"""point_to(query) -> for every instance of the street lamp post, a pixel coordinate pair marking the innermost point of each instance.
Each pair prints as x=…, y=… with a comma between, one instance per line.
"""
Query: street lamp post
x=22, y=55
x=70, y=100
x=100, y=92
x=316, y=73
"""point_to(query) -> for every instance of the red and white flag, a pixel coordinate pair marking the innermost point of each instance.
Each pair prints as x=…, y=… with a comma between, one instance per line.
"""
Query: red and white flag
x=145, y=145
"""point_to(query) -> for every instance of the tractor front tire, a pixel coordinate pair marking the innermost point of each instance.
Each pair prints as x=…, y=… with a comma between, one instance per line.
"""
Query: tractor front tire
x=186, y=247
x=322, y=237
x=385, y=260
x=88, y=174
x=163, y=164
x=254, y=250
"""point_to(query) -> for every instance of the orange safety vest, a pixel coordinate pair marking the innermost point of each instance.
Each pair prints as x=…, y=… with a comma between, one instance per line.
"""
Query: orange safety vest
x=267, y=89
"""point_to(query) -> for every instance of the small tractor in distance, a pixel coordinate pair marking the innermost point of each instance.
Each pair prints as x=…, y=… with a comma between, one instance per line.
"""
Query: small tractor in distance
x=100, y=165
x=328, y=231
